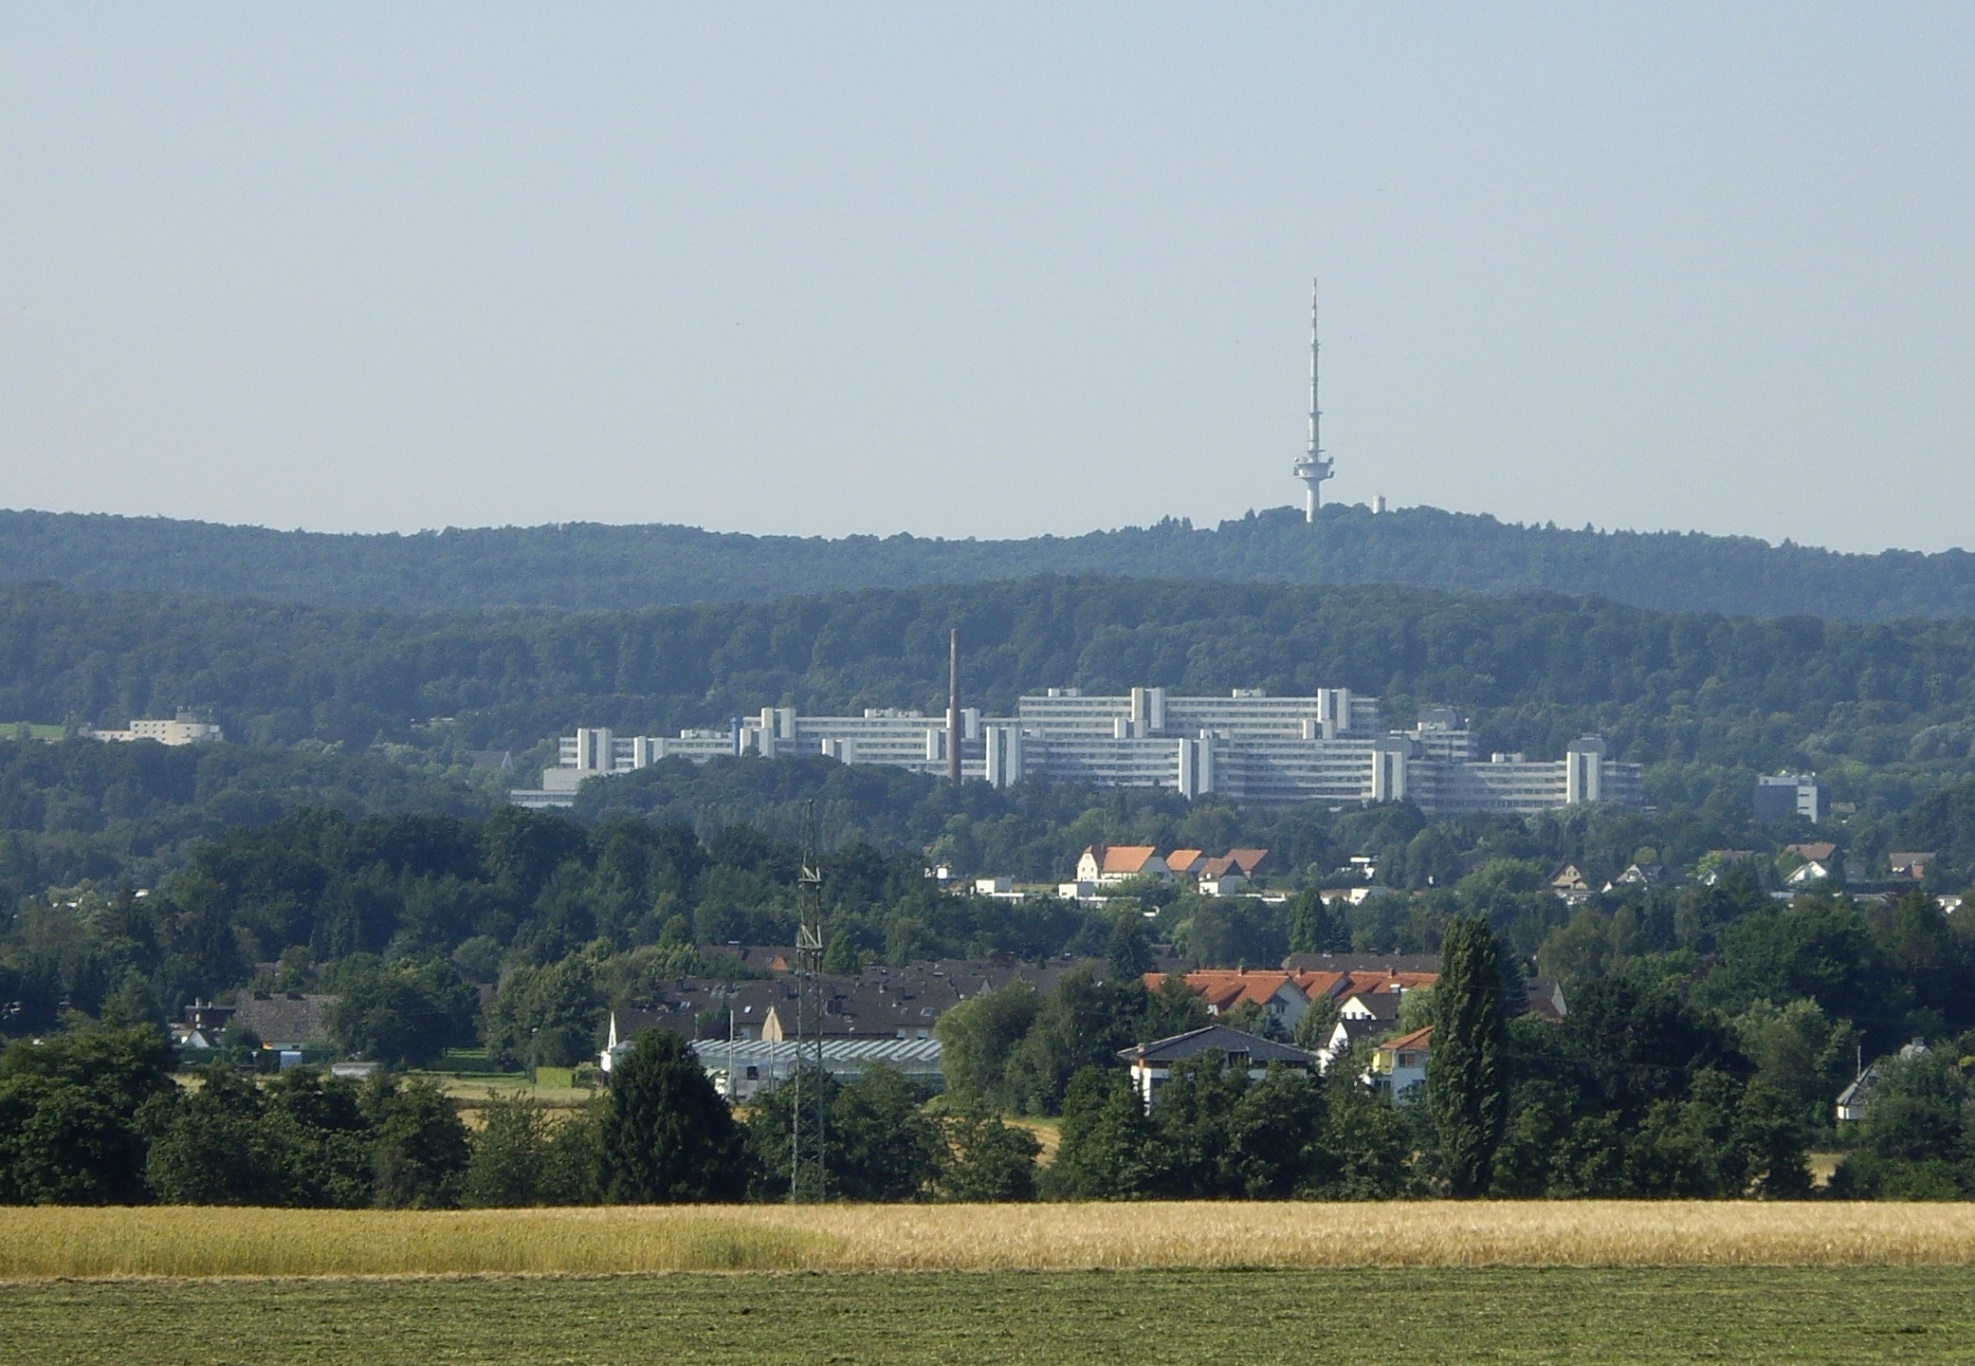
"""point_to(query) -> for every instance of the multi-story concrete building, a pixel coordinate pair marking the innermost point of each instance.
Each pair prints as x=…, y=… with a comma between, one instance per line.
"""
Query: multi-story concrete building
x=1247, y=746
x=1785, y=796
x=182, y=729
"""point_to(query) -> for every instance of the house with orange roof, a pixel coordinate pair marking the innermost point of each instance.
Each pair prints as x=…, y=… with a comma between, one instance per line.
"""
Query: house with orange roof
x=1363, y=982
x=1224, y=990
x=1185, y=862
x=1112, y=863
x=1251, y=862
x=1399, y=1065
x=1221, y=876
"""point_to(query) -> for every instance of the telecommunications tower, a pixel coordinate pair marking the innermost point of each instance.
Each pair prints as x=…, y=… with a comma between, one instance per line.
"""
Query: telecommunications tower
x=808, y=1113
x=1312, y=467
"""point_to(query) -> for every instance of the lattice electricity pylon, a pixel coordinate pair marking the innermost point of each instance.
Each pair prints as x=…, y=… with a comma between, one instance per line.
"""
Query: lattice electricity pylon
x=809, y=1018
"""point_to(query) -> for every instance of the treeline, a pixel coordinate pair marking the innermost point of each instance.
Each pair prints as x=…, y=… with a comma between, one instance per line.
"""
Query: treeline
x=405, y=915
x=411, y=911
x=1884, y=711
x=588, y=567
x=94, y=1117
x=1638, y=1093
x=83, y=810
x=1791, y=993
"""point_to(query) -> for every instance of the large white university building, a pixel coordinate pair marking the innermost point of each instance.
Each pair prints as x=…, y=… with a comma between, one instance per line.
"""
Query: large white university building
x=1248, y=747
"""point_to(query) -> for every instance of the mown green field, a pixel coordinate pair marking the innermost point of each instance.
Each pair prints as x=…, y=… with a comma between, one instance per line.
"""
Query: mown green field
x=1117, y=1318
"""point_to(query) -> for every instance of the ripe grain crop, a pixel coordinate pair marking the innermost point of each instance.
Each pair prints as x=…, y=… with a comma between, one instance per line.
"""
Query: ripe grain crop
x=195, y=1242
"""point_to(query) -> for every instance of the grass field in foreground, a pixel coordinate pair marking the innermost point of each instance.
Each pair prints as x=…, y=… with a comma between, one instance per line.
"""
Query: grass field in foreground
x=195, y=1242
x=1117, y=1318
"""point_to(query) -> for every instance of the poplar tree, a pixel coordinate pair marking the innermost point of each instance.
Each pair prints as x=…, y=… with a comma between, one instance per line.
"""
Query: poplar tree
x=1467, y=1091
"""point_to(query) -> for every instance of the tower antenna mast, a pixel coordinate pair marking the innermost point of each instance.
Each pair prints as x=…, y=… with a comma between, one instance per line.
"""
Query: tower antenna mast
x=1312, y=467
x=809, y=1013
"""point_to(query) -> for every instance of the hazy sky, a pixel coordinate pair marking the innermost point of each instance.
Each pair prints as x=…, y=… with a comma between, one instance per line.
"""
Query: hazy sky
x=989, y=270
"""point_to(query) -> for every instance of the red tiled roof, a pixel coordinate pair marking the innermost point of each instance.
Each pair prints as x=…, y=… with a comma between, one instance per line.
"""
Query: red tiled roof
x=1362, y=982
x=1127, y=858
x=1224, y=989
x=1419, y=1038
x=1248, y=860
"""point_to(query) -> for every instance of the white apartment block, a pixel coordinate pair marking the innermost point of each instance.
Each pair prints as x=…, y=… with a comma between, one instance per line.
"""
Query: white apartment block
x=183, y=729
x=1246, y=746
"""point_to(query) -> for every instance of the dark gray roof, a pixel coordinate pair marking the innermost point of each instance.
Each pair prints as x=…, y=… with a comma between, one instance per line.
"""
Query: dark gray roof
x=1382, y=1005
x=284, y=1018
x=1232, y=1042
x=1354, y=1030
x=880, y=1001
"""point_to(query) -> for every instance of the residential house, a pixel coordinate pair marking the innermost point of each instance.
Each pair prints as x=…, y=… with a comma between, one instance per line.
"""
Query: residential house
x=1399, y=1065
x=1910, y=866
x=1371, y=981
x=879, y=1003
x=1114, y=863
x=1152, y=1063
x=752, y=958
x=1346, y=1036
x=1253, y=863
x=1642, y=875
x=1222, y=876
x=1852, y=1100
x=1546, y=998
x=1857, y=1097
x=1360, y=1016
x=1185, y=862
x=1570, y=883
x=1278, y=993
x=1716, y=862
x=284, y=1020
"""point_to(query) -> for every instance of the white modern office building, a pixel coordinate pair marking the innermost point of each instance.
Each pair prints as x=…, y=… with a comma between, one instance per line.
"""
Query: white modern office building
x=182, y=729
x=1247, y=746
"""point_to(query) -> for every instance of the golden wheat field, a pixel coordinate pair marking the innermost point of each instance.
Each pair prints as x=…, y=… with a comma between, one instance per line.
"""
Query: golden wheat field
x=199, y=1242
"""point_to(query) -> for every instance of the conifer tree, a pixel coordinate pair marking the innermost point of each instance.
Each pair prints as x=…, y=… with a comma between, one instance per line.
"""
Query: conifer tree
x=1467, y=1089
x=667, y=1136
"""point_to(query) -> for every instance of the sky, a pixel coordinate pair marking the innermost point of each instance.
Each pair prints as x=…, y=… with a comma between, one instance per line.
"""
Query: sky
x=989, y=271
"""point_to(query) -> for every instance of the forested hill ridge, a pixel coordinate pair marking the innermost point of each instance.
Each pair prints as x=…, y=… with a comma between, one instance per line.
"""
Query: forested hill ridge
x=1885, y=710
x=594, y=567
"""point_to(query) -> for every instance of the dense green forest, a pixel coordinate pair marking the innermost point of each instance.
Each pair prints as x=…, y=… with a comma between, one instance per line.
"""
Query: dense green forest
x=317, y=896
x=1710, y=1024
x=590, y=567
x=82, y=810
x=1885, y=710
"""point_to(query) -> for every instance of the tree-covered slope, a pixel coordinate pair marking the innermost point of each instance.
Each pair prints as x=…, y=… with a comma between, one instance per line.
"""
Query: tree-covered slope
x=587, y=566
x=1728, y=692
